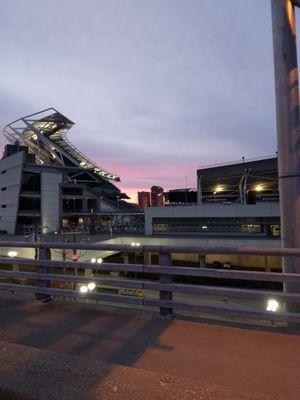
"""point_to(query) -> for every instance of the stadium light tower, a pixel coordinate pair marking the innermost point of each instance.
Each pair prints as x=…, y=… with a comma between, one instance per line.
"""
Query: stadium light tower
x=288, y=127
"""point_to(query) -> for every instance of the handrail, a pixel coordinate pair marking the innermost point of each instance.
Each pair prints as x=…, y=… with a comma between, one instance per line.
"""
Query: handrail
x=159, y=269
x=155, y=278
x=270, y=251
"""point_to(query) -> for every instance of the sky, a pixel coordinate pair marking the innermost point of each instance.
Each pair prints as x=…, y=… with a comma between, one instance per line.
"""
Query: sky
x=156, y=88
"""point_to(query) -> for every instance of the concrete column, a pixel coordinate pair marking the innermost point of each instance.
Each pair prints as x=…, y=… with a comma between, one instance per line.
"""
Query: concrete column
x=265, y=229
x=199, y=190
x=44, y=254
x=288, y=133
x=88, y=273
x=99, y=204
x=147, y=257
x=165, y=260
x=148, y=221
x=84, y=204
x=202, y=262
x=16, y=268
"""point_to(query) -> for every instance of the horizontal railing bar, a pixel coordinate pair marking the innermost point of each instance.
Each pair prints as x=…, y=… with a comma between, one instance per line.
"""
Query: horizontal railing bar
x=158, y=269
x=117, y=298
x=234, y=311
x=127, y=283
x=224, y=291
x=295, y=252
x=188, y=306
x=190, y=289
x=73, y=265
x=223, y=274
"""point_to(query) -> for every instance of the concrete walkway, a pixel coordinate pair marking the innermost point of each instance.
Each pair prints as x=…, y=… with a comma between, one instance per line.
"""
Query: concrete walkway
x=54, y=351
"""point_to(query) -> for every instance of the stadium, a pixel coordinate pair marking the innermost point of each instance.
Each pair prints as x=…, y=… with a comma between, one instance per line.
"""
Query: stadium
x=46, y=181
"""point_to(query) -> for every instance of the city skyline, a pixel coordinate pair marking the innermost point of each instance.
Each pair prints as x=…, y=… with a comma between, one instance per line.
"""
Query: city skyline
x=156, y=89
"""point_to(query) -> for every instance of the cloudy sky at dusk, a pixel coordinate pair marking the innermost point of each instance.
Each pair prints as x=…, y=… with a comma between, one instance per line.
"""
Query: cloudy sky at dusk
x=156, y=87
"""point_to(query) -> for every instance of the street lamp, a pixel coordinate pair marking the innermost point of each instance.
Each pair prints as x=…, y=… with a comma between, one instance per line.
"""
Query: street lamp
x=272, y=305
x=87, y=288
x=83, y=289
x=91, y=286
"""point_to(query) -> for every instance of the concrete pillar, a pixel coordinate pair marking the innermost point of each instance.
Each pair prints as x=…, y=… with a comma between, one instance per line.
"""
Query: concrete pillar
x=147, y=257
x=148, y=221
x=199, y=190
x=202, y=262
x=288, y=133
x=265, y=229
x=88, y=273
x=99, y=204
x=166, y=261
x=84, y=204
x=16, y=268
x=44, y=254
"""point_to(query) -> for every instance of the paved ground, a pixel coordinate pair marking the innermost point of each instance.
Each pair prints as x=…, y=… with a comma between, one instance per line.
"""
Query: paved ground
x=54, y=351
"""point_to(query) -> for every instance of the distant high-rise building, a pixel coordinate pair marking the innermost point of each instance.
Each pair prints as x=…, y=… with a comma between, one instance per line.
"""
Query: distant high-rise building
x=157, y=196
x=143, y=200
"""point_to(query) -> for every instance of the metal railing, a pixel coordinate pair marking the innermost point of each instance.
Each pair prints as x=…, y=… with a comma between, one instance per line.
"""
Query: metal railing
x=159, y=286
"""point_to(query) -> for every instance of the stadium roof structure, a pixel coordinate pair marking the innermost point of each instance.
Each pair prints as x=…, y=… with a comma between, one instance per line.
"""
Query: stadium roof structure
x=45, y=135
x=256, y=174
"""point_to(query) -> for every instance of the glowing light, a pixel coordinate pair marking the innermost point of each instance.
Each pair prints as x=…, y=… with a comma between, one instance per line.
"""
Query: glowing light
x=204, y=227
x=93, y=260
x=218, y=189
x=12, y=254
x=259, y=188
x=83, y=289
x=91, y=286
x=133, y=244
x=99, y=260
x=272, y=305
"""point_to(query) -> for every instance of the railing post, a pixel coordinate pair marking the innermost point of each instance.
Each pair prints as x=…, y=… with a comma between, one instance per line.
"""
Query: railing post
x=44, y=254
x=165, y=261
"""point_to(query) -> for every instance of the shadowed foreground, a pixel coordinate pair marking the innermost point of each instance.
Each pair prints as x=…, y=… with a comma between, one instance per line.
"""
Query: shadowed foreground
x=55, y=351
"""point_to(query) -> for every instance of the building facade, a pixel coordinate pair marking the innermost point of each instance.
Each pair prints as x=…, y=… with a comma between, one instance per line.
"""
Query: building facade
x=232, y=200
